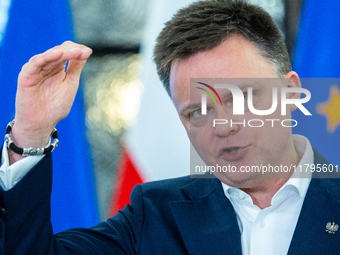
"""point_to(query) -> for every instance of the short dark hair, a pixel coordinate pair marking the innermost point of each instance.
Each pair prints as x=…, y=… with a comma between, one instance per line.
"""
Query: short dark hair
x=203, y=25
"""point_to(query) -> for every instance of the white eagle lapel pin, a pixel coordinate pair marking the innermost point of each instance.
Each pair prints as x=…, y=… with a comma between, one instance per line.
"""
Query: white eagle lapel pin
x=331, y=227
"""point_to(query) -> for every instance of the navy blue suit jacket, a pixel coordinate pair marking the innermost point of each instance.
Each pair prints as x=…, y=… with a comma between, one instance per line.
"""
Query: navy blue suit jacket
x=178, y=216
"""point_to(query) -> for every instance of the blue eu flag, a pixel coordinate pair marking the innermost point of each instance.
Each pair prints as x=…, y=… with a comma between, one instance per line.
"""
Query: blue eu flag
x=317, y=55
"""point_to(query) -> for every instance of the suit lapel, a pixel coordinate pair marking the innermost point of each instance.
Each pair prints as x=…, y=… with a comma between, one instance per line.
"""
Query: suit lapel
x=321, y=205
x=319, y=208
x=207, y=222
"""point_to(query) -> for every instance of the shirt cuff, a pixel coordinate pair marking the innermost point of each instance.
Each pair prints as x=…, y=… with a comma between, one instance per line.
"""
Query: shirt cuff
x=12, y=174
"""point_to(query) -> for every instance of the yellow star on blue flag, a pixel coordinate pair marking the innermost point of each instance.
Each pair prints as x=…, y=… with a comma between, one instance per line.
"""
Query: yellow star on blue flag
x=331, y=109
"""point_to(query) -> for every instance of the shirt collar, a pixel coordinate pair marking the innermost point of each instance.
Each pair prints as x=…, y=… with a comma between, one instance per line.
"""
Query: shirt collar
x=300, y=179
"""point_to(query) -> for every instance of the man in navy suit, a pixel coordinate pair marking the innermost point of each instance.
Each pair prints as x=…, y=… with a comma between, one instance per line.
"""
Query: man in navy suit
x=236, y=212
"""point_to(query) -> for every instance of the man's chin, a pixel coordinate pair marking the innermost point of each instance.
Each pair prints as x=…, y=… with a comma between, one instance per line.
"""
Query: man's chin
x=237, y=179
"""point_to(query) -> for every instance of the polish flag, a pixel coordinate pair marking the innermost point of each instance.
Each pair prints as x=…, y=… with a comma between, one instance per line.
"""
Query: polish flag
x=157, y=146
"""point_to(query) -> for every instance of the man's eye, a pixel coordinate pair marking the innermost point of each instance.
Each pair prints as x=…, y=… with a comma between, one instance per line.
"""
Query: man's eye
x=245, y=96
x=197, y=113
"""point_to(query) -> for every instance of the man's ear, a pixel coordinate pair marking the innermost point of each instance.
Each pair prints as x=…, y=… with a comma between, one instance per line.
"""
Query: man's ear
x=292, y=80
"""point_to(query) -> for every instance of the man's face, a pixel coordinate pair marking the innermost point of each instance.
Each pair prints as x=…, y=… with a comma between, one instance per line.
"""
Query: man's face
x=235, y=145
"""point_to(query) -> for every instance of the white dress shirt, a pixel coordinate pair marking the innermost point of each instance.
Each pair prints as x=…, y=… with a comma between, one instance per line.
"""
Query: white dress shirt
x=269, y=231
x=12, y=174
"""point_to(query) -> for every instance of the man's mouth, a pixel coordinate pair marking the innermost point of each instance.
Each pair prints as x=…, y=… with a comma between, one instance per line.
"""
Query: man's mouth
x=233, y=153
x=231, y=150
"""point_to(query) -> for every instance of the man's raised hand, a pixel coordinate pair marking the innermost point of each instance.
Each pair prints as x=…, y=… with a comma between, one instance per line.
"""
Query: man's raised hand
x=46, y=92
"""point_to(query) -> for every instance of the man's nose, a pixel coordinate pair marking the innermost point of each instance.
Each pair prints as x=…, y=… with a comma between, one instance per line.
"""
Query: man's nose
x=226, y=124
